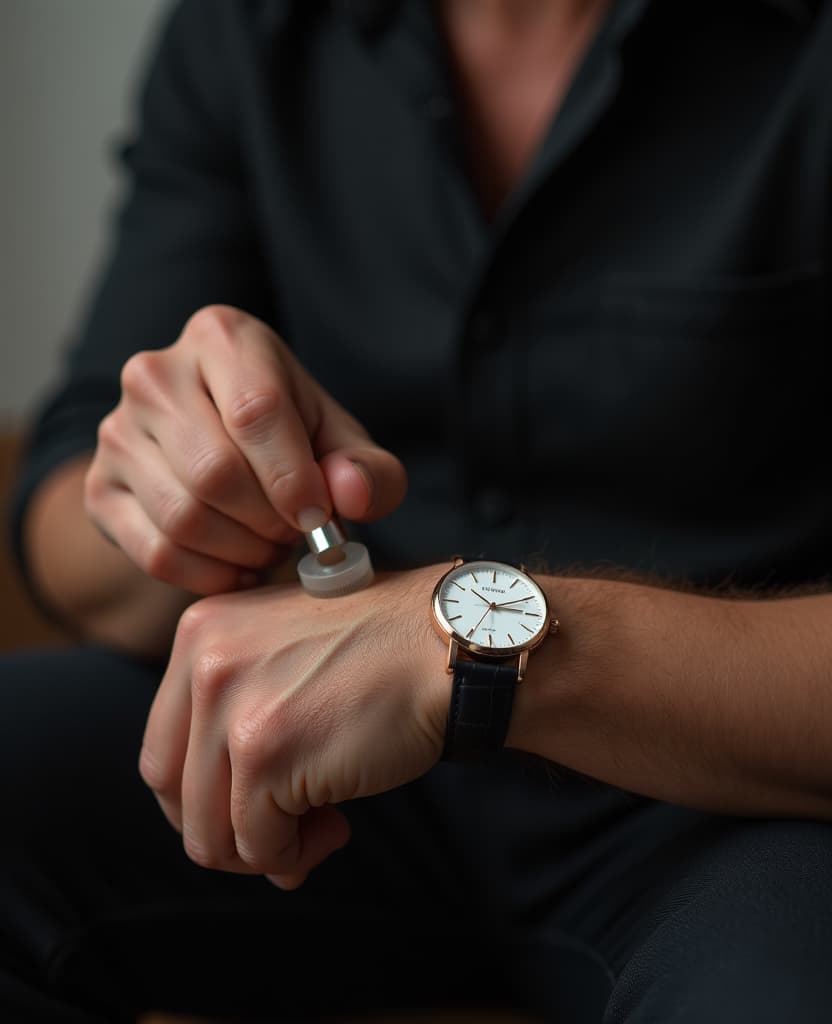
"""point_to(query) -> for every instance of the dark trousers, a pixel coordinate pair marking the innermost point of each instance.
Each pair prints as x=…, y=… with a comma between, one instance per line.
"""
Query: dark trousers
x=497, y=884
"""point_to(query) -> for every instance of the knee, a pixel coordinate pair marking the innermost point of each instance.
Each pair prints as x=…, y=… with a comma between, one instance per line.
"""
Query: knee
x=747, y=873
x=780, y=869
x=742, y=933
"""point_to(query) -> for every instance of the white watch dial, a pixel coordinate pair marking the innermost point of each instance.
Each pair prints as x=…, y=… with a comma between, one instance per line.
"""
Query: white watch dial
x=491, y=606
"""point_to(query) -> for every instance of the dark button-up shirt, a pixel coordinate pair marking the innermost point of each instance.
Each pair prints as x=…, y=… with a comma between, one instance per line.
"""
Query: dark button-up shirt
x=629, y=365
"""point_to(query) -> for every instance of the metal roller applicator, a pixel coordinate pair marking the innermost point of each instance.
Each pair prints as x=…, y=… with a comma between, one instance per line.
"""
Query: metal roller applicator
x=334, y=566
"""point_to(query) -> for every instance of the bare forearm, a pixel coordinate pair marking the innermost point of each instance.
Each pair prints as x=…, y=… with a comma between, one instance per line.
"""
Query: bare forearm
x=719, y=704
x=89, y=583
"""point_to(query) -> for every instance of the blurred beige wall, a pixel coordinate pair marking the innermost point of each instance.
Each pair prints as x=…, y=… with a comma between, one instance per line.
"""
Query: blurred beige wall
x=68, y=76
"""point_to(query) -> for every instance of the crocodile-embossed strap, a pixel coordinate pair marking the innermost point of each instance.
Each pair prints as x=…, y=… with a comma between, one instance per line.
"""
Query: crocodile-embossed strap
x=480, y=710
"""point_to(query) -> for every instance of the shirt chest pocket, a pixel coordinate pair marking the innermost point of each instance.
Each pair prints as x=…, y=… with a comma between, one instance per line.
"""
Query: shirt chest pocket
x=686, y=386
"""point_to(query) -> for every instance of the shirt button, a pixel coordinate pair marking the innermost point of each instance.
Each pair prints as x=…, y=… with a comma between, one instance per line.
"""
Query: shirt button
x=492, y=506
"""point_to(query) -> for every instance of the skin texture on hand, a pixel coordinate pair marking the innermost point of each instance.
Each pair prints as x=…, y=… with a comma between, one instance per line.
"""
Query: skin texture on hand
x=221, y=450
x=277, y=706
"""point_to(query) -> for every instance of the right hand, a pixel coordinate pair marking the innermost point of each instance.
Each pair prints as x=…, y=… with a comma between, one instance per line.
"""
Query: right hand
x=221, y=450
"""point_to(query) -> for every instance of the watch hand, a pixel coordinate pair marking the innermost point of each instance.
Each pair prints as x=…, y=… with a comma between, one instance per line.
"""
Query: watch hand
x=487, y=610
x=481, y=597
x=502, y=608
x=517, y=600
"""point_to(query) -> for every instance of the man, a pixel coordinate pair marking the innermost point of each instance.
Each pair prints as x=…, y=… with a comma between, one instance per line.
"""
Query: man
x=566, y=263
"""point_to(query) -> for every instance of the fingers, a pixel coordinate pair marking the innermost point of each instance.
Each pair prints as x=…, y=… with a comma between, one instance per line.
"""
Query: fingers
x=159, y=519
x=213, y=471
x=249, y=376
x=168, y=726
x=322, y=831
x=207, y=832
x=218, y=439
x=285, y=423
x=183, y=518
x=365, y=483
x=124, y=521
x=210, y=782
x=266, y=836
x=285, y=836
x=284, y=846
x=164, y=397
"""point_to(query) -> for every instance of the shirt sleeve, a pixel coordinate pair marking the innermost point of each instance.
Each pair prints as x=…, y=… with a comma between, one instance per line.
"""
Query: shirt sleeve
x=185, y=236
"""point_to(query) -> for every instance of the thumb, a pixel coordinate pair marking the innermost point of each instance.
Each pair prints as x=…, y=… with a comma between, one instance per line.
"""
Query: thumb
x=366, y=482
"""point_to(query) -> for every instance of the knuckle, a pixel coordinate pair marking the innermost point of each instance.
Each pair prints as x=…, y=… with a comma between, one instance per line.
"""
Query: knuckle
x=201, y=853
x=96, y=486
x=109, y=434
x=141, y=375
x=246, y=743
x=159, y=558
x=271, y=861
x=180, y=517
x=249, y=857
x=299, y=790
x=153, y=772
x=252, y=410
x=213, y=473
x=210, y=676
x=283, y=486
x=194, y=620
x=215, y=319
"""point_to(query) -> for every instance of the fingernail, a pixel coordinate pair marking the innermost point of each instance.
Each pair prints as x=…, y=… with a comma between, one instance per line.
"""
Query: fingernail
x=312, y=519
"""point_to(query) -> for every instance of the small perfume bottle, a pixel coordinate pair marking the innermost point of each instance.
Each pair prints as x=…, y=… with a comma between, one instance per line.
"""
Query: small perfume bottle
x=334, y=566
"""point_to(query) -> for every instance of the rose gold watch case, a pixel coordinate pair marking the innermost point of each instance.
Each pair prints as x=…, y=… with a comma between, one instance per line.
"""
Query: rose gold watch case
x=457, y=642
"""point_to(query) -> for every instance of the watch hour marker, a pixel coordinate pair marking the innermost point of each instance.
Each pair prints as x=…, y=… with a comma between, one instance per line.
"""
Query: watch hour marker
x=511, y=638
x=535, y=615
x=453, y=618
x=450, y=600
x=514, y=584
x=474, y=576
x=494, y=576
x=490, y=644
x=457, y=585
x=523, y=624
x=470, y=632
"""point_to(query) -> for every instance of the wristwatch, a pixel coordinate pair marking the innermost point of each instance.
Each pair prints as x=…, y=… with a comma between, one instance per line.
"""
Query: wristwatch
x=492, y=615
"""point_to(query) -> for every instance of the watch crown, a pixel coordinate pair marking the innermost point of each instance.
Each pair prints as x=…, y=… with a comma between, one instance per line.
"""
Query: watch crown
x=554, y=626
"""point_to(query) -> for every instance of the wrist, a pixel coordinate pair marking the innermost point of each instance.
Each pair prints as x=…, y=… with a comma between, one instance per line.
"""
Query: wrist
x=490, y=632
x=423, y=654
x=563, y=674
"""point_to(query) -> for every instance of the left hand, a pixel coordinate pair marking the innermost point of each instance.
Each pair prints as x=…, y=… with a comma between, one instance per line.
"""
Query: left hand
x=275, y=706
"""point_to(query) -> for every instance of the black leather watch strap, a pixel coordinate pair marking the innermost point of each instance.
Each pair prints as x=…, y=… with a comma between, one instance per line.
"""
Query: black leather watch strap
x=480, y=709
